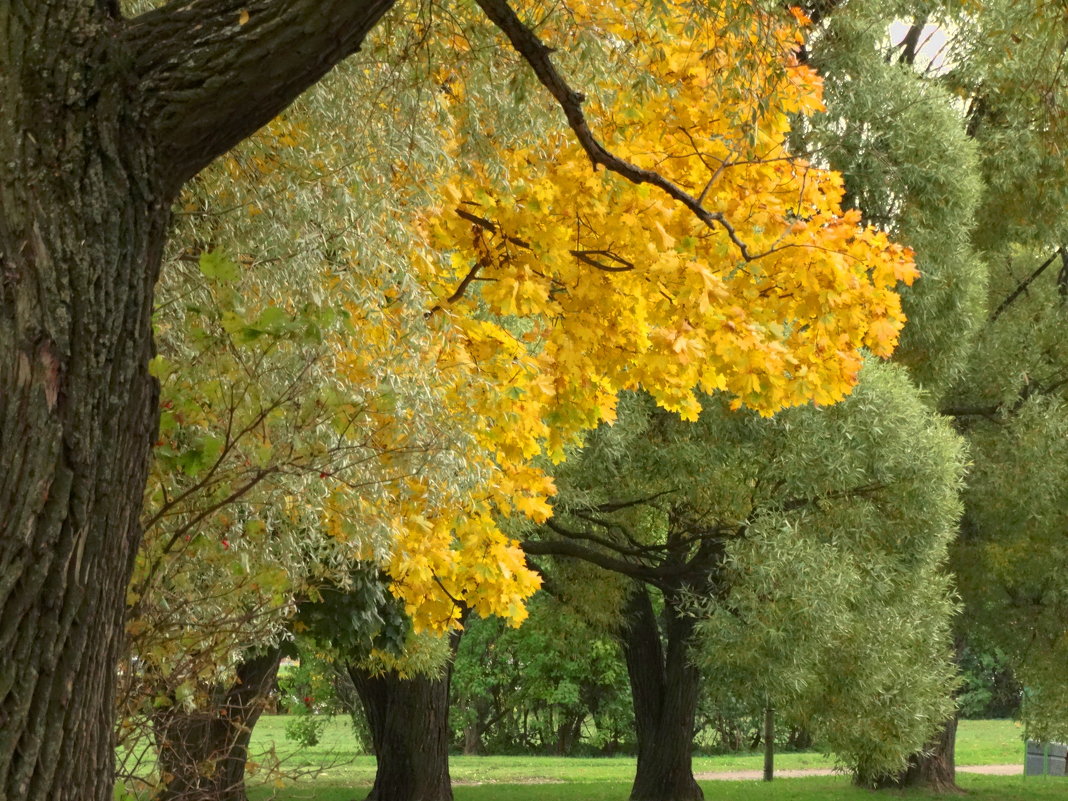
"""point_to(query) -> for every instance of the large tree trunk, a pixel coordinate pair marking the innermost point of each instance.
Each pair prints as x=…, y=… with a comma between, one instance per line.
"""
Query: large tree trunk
x=664, y=685
x=204, y=752
x=934, y=768
x=409, y=721
x=81, y=231
x=101, y=122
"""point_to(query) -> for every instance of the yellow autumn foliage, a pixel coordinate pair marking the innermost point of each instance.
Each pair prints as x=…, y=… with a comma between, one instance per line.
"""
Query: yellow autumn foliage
x=557, y=285
x=535, y=287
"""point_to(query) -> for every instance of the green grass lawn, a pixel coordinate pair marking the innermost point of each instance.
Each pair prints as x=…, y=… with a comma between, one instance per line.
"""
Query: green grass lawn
x=989, y=742
x=822, y=788
x=346, y=775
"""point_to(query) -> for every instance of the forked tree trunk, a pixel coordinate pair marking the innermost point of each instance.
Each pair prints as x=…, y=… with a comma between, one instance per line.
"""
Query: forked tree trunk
x=664, y=685
x=409, y=721
x=101, y=121
x=204, y=752
x=932, y=769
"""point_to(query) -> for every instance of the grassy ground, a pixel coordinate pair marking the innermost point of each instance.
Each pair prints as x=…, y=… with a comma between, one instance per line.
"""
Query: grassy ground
x=988, y=742
x=822, y=788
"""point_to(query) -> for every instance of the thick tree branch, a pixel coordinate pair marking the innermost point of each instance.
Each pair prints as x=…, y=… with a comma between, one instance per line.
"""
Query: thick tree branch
x=536, y=54
x=971, y=411
x=211, y=72
x=574, y=550
x=638, y=551
x=910, y=44
x=615, y=506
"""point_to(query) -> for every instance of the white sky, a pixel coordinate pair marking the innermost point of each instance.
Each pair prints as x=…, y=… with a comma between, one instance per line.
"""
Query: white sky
x=931, y=53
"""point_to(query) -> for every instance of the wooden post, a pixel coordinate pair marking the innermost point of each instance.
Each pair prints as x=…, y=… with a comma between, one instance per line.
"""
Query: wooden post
x=769, y=744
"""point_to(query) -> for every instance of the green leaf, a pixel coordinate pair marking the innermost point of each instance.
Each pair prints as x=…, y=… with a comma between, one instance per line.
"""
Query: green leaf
x=215, y=266
x=272, y=319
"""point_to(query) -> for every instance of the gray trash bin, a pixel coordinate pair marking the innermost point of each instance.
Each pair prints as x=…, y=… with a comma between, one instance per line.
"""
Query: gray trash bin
x=1057, y=756
x=1045, y=759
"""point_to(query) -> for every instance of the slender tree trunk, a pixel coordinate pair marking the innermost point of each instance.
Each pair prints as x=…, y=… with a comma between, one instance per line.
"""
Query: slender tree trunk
x=205, y=751
x=934, y=768
x=664, y=685
x=568, y=733
x=409, y=721
x=477, y=728
x=473, y=739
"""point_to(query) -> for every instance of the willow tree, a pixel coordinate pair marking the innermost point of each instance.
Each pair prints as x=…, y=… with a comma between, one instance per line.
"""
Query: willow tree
x=796, y=561
x=899, y=135
x=106, y=117
x=967, y=168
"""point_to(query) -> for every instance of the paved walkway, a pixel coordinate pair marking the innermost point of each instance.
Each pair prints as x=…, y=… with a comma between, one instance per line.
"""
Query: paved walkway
x=741, y=775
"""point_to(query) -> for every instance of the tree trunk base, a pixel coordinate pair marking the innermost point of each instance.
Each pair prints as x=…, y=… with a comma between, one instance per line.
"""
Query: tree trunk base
x=409, y=727
x=934, y=769
x=204, y=752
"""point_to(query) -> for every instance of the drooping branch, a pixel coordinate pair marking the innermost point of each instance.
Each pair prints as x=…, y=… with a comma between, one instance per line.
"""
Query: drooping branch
x=537, y=55
x=209, y=73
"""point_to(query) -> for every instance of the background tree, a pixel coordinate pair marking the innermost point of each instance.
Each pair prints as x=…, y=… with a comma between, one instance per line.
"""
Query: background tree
x=1010, y=403
x=807, y=548
x=555, y=685
x=1001, y=65
x=899, y=135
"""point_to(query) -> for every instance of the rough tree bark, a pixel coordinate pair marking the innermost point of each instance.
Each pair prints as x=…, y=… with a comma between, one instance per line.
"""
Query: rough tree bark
x=205, y=751
x=102, y=120
x=409, y=721
x=664, y=685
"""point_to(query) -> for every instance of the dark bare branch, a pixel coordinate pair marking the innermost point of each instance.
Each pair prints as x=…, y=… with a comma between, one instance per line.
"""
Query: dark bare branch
x=537, y=55
x=636, y=550
x=615, y=506
x=575, y=550
x=1023, y=286
x=910, y=44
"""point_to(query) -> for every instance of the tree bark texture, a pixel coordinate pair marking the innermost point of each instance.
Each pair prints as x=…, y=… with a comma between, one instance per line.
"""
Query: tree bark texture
x=101, y=121
x=202, y=754
x=409, y=721
x=932, y=769
x=664, y=685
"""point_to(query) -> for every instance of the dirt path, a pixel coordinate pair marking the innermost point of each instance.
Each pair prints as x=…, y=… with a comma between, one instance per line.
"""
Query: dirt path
x=741, y=775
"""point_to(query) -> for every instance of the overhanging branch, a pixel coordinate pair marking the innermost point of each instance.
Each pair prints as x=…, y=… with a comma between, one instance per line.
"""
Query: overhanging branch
x=210, y=73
